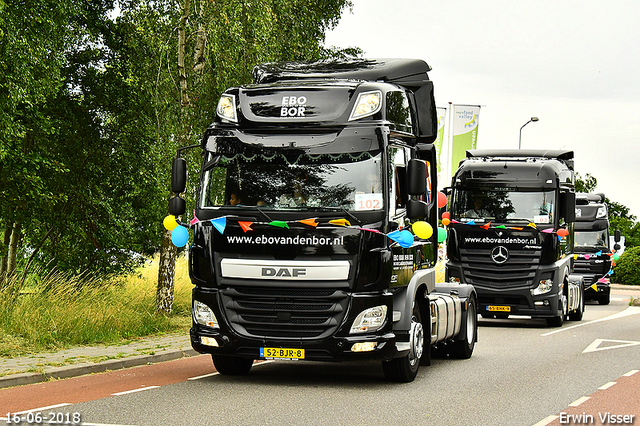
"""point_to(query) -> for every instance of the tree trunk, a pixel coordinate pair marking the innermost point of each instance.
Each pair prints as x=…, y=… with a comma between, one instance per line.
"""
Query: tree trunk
x=166, y=275
x=4, y=256
x=167, y=266
x=13, y=248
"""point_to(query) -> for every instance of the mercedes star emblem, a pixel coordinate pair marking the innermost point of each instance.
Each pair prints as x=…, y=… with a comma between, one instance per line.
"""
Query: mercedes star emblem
x=499, y=254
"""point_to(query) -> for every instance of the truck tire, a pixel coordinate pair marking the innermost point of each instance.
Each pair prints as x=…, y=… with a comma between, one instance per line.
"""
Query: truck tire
x=462, y=349
x=604, y=300
x=232, y=365
x=577, y=315
x=405, y=369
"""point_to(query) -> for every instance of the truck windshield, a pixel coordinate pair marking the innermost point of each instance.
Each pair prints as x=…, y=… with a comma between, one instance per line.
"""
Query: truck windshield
x=503, y=205
x=591, y=238
x=280, y=180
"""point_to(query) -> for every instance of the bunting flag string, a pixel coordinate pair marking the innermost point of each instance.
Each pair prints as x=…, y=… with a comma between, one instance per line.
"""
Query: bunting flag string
x=180, y=233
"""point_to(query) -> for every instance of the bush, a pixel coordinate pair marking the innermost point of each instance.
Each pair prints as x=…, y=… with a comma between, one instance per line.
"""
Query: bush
x=627, y=269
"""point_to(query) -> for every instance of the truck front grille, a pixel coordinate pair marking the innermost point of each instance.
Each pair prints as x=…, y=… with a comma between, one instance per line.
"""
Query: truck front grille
x=518, y=271
x=263, y=312
x=589, y=270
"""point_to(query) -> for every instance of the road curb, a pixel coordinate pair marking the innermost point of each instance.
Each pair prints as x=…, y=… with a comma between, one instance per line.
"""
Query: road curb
x=75, y=370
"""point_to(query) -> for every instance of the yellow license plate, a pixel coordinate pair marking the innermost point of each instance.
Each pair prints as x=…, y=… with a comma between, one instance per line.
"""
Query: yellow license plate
x=499, y=308
x=281, y=353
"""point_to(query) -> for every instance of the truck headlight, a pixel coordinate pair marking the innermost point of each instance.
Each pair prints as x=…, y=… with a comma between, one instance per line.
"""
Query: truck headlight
x=369, y=320
x=203, y=315
x=544, y=286
x=368, y=103
x=227, y=108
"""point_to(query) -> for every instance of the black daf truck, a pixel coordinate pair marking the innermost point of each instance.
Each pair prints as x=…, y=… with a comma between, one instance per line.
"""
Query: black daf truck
x=512, y=233
x=315, y=214
x=592, y=251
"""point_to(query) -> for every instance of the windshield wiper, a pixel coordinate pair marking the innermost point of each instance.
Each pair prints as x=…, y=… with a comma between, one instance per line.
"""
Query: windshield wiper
x=341, y=209
x=264, y=214
x=513, y=219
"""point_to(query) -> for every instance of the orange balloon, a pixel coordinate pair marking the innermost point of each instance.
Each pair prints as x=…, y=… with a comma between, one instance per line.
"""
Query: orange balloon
x=446, y=221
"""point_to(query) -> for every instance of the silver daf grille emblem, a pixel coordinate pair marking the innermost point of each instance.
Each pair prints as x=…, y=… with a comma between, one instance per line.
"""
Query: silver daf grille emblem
x=499, y=254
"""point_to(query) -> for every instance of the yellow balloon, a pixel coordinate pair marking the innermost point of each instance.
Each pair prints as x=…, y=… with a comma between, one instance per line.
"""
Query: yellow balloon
x=422, y=230
x=170, y=222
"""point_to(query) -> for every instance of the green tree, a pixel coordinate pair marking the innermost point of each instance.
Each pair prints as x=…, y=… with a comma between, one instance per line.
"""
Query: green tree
x=80, y=183
x=205, y=47
x=627, y=269
x=33, y=40
x=620, y=217
x=587, y=184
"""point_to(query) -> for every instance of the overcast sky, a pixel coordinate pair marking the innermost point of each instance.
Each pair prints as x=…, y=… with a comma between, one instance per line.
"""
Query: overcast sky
x=573, y=64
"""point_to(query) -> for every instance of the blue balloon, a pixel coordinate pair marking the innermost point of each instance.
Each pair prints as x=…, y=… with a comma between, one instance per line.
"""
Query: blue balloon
x=404, y=238
x=180, y=236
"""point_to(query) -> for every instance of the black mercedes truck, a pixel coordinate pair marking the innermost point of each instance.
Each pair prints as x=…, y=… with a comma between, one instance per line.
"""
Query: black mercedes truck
x=511, y=235
x=313, y=237
x=592, y=246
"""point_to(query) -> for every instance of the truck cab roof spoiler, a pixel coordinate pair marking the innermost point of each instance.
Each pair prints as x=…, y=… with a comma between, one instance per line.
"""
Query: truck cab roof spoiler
x=404, y=72
x=585, y=199
x=562, y=155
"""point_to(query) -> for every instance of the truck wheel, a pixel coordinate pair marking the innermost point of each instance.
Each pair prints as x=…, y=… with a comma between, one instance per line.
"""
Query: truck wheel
x=405, y=369
x=577, y=316
x=604, y=300
x=462, y=349
x=232, y=365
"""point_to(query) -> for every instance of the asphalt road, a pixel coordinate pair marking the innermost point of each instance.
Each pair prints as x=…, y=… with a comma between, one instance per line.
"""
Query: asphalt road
x=522, y=373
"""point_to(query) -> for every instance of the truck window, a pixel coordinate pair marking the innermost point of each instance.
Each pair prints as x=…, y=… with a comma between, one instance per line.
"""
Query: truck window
x=398, y=186
x=591, y=238
x=504, y=205
x=295, y=181
x=399, y=112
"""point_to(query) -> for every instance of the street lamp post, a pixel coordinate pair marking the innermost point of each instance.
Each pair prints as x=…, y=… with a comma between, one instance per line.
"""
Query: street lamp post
x=520, y=138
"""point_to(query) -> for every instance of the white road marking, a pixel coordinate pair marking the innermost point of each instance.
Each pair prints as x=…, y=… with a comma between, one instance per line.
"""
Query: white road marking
x=631, y=310
x=216, y=373
x=50, y=407
x=579, y=401
x=203, y=376
x=546, y=421
x=134, y=390
x=607, y=385
x=630, y=373
x=593, y=347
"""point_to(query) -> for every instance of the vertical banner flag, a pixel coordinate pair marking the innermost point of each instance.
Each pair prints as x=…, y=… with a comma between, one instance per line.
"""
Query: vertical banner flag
x=439, y=142
x=465, y=132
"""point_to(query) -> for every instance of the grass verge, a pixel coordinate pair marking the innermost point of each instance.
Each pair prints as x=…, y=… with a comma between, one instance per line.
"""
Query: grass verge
x=58, y=311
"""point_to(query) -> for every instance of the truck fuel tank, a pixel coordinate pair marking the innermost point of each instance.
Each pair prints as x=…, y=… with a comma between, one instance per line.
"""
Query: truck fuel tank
x=446, y=316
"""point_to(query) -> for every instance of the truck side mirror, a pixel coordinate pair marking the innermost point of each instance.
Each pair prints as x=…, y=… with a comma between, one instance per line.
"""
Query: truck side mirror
x=617, y=236
x=177, y=206
x=417, y=209
x=567, y=206
x=178, y=175
x=416, y=177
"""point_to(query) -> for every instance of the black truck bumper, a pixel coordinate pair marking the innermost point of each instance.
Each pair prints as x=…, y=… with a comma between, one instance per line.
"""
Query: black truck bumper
x=255, y=328
x=513, y=300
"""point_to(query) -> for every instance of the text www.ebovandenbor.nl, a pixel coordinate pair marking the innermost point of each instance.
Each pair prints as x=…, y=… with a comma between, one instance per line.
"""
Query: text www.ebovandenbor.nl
x=496, y=240
x=297, y=240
